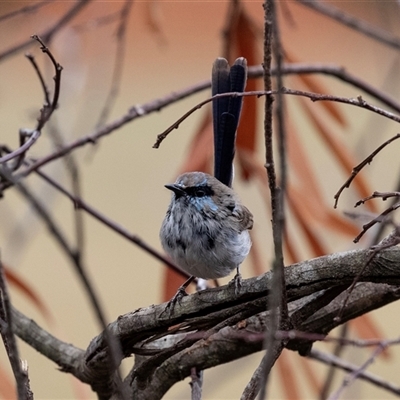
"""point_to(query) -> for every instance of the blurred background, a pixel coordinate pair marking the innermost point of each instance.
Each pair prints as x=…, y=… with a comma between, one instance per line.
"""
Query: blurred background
x=169, y=46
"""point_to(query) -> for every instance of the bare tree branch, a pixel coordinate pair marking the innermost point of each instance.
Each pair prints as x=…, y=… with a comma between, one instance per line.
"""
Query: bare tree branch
x=337, y=362
x=118, y=63
x=355, y=23
x=25, y=10
x=359, y=102
x=277, y=301
x=10, y=343
x=209, y=309
x=348, y=380
x=360, y=166
x=48, y=34
x=156, y=105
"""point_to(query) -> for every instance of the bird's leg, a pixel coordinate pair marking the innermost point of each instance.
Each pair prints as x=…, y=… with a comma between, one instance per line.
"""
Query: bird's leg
x=237, y=281
x=181, y=292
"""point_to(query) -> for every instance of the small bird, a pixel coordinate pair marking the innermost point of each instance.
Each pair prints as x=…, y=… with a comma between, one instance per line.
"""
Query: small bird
x=206, y=228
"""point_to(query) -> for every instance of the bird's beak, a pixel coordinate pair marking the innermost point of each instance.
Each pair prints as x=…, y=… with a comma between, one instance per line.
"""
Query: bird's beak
x=178, y=190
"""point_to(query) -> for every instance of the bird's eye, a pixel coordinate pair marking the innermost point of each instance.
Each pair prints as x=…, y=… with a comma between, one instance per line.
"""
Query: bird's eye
x=200, y=192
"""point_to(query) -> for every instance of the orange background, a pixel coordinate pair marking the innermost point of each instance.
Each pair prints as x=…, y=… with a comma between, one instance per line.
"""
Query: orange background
x=123, y=176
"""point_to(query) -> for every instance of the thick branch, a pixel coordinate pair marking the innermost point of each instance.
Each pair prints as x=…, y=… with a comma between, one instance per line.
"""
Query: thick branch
x=310, y=289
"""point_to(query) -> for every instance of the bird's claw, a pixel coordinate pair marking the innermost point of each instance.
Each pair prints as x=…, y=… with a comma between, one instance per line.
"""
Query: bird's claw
x=237, y=283
x=179, y=295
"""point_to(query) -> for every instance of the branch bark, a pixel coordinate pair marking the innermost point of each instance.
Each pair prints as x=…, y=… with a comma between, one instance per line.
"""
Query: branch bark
x=218, y=326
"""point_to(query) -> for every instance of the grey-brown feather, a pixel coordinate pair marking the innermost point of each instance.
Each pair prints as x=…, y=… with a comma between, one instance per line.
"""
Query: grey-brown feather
x=205, y=230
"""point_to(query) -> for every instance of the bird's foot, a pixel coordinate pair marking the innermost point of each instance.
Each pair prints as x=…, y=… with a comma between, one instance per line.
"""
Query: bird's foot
x=179, y=295
x=237, y=283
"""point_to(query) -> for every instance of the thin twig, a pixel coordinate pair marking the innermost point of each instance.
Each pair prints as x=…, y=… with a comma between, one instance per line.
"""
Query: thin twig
x=337, y=72
x=46, y=111
x=21, y=376
x=176, y=124
x=381, y=216
x=300, y=336
x=33, y=137
x=377, y=235
x=75, y=256
x=278, y=221
x=46, y=92
x=155, y=105
x=118, y=63
x=348, y=380
x=330, y=359
x=273, y=348
x=359, y=102
x=343, y=341
x=80, y=203
x=360, y=166
x=98, y=22
x=74, y=175
x=357, y=24
x=48, y=34
x=253, y=386
x=388, y=242
x=337, y=351
x=51, y=106
x=115, y=353
x=25, y=10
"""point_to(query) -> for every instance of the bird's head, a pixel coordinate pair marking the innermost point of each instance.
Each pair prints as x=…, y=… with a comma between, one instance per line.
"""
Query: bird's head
x=200, y=189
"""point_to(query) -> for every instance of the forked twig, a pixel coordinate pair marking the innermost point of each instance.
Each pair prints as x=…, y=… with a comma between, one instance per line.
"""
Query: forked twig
x=389, y=241
x=47, y=110
x=142, y=110
x=337, y=362
x=381, y=216
x=176, y=124
x=50, y=106
x=349, y=379
x=358, y=102
x=33, y=136
x=360, y=166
